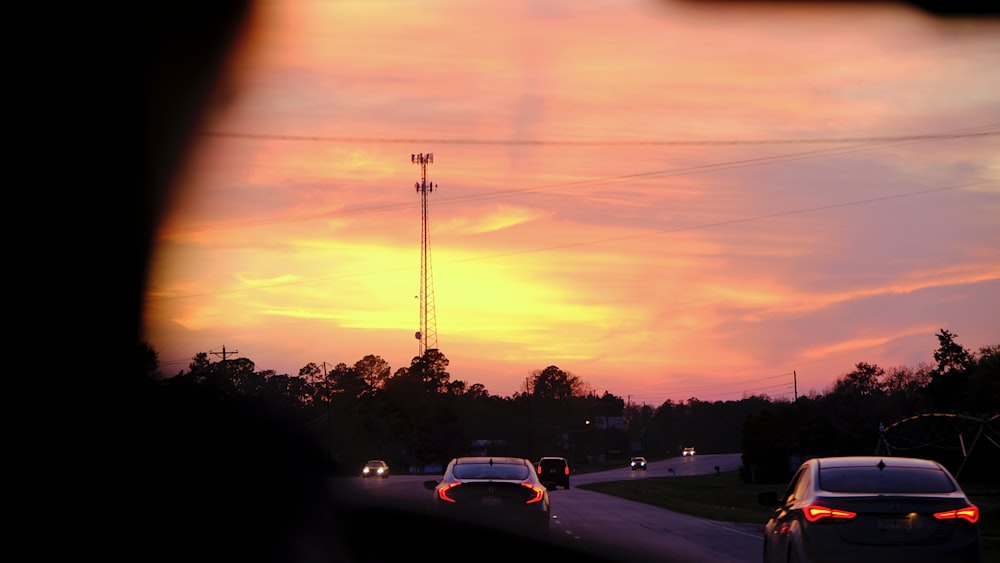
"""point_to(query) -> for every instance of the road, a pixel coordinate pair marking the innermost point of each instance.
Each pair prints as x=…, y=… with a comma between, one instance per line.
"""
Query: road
x=628, y=530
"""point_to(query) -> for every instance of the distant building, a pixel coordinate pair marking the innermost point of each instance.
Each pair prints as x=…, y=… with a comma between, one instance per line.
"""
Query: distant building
x=487, y=447
x=609, y=422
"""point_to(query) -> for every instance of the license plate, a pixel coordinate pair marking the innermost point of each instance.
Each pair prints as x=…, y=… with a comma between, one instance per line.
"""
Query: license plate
x=894, y=524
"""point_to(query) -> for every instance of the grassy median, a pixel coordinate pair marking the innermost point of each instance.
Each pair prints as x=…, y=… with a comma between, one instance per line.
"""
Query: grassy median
x=717, y=497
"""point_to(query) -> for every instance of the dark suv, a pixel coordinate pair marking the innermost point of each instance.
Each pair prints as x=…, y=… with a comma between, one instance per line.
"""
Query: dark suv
x=553, y=471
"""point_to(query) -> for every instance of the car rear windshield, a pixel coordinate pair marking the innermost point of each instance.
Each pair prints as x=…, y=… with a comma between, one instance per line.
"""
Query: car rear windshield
x=488, y=471
x=887, y=480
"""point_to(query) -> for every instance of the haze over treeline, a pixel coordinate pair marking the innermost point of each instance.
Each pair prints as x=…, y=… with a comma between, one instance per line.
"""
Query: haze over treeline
x=418, y=416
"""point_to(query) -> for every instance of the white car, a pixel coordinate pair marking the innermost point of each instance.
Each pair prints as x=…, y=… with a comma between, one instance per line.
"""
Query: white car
x=375, y=468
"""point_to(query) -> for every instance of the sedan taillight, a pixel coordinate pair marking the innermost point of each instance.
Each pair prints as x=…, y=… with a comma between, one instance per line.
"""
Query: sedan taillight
x=815, y=513
x=443, y=492
x=539, y=494
x=970, y=513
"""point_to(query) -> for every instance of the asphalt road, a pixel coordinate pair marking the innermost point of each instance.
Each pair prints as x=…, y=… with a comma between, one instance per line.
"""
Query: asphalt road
x=627, y=530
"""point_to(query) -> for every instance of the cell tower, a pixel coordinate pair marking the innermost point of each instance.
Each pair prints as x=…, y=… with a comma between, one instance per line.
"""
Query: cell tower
x=427, y=335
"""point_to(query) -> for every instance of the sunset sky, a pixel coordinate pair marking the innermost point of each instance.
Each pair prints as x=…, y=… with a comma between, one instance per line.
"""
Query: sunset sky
x=666, y=199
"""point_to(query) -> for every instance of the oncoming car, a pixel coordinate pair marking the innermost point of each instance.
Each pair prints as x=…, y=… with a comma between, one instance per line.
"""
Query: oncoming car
x=502, y=492
x=375, y=468
x=688, y=452
x=870, y=508
x=637, y=462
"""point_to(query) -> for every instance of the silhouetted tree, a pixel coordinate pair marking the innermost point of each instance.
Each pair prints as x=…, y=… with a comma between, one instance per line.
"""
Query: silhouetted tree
x=346, y=380
x=148, y=360
x=865, y=380
x=983, y=393
x=555, y=384
x=951, y=356
x=287, y=392
x=949, y=379
x=904, y=382
x=477, y=391
x=431, y=370
x=766, y=442
x=199, y=362
x=419, y=414
x=373, y=371
x=311, y=372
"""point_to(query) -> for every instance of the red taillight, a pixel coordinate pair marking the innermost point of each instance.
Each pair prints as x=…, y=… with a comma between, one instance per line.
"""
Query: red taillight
x=443, y=492
x=815, y=512
x=539, y=469
x=970, y=513
x=539, y=494
x=566, y=470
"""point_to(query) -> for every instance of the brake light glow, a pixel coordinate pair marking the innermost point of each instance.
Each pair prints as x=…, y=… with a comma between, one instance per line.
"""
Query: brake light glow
x=443, y=492
x=815, y=513
x=566, y=470
x=539, y=494
x=970, y=513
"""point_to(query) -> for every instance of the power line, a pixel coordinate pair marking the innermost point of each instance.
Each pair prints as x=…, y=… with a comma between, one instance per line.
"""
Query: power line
x=976, y=132
x=727, y=388
x=713, y=167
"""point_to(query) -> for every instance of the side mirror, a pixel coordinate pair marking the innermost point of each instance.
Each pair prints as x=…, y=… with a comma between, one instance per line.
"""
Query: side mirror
x=769, y=498
x=430, y=485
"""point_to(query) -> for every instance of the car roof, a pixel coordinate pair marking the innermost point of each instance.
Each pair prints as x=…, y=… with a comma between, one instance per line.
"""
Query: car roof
x=493, y=459
x=868, y=461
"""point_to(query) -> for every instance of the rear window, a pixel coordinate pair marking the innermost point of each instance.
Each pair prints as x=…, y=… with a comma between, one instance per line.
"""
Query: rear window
x=888, y=480
x=487, y=471
x=553, y=463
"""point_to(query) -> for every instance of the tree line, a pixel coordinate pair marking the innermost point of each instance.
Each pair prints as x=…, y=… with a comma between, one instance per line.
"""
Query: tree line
x=418, y=416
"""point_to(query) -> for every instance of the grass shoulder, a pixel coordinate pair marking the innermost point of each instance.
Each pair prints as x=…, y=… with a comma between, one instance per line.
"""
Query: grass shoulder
x=723, y=497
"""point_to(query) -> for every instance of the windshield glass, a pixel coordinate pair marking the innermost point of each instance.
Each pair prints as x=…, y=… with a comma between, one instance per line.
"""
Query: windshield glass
x=887, y=480
x=488, y=471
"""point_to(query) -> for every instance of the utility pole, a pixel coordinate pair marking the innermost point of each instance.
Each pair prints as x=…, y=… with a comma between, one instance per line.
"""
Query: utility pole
x=225, y=356
x=795, y=386
x=224, y=353
x=427, y=334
